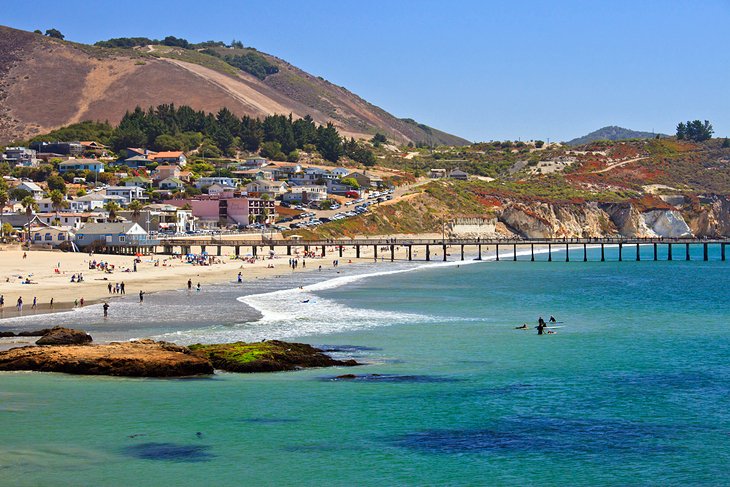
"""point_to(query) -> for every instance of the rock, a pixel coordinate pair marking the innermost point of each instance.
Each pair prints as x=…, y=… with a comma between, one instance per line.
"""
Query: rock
x=37, y=333
x=64, y=336
x=132, y=359
x=4, y=334
x=269, y=356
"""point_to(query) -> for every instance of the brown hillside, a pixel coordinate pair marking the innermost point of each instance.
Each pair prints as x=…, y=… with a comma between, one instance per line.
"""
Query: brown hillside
x=47, y=83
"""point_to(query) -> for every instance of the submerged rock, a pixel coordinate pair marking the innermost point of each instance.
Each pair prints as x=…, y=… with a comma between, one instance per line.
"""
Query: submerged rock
x=64, y=336
x=35, y=333
x=268, y=356
x=144, y=358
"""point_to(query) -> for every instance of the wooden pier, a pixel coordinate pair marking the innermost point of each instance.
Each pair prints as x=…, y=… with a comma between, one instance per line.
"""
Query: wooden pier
x=388, y=247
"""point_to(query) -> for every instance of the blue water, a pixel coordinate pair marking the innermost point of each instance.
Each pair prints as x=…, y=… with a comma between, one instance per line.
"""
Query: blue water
x=632, y=390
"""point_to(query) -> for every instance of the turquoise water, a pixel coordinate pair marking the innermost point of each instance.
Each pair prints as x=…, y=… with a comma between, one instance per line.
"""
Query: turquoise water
x=632, y=390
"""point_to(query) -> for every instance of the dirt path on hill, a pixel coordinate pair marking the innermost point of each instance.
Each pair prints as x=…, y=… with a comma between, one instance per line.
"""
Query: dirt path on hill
x=618, y=164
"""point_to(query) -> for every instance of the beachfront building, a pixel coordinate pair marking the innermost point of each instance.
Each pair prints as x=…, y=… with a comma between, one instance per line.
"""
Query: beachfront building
x=91, y=165
x=305, y=194
x=111, y=234
x=42, y=233
x=31, y=187
x=128, y=193
x=163, y=218
x=67, y=219
x=223, y=210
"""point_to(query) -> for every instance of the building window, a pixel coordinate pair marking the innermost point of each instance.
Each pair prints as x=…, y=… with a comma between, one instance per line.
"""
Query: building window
x=61, y=236
x=49, y=236
x=121, y=238
x=37, y=236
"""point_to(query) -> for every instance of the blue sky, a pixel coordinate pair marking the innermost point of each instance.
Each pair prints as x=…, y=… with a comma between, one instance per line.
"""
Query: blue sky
x=483, y=70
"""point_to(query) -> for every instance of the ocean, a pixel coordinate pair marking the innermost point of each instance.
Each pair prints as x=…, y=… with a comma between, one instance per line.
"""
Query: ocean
x=632, y=389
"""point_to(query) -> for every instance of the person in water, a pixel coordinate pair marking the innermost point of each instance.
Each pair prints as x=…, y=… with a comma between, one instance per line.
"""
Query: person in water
x=240, y=278
x=523, y=327
x=106, y=309
x=541, y=327
x=540, y=321
x=141, y=296
x=552, y=319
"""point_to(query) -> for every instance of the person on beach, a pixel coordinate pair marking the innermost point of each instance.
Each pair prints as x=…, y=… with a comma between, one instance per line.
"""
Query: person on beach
x=190, y=284
x=20, y=304
x=141, y=296
x=198, y=287
x=109, y=286
x=51, y=304
x=240, y=278
x=35, y=302
x=76, y=303
x=82, y=302
x=2, y=301
x=121, y=287
x=106, y=310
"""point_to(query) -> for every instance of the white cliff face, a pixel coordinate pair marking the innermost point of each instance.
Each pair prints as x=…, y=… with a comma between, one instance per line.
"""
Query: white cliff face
x=666, y=223
x=474, y=228
x=545, y=220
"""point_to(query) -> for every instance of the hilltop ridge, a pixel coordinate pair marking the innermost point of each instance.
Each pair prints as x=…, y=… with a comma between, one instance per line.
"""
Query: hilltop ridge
x=46, y=83
x=613, y=132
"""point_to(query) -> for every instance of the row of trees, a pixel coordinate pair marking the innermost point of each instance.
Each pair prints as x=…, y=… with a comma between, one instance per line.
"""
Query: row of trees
x=695, y=130
x=168, y=127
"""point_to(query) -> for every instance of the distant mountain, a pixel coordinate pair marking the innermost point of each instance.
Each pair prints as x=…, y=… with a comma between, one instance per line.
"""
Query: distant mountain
x=613, y=133
x=47, y=83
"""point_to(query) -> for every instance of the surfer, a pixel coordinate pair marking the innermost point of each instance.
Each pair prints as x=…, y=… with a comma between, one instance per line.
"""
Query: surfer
x=540, y=325
x=552, y=319
x=523, y=327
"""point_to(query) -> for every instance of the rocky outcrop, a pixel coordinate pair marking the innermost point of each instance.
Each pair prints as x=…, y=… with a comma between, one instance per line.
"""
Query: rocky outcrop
x=549, y=220
x=267, y=356
x=64, y=336
x=708, y=216
x=143, y=358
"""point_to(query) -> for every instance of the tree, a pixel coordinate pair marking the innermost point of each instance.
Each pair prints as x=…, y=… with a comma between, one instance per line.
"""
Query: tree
x=695, y=130
x=112, y=207
x=58, y=201
x=329, y=143
x=272, y=150
x=379, y=139
x=30, y=205
x=136, y=208
x=352, y=182
x=55, y=33
x=4, y=198
x=56, y=183
x=725, y=143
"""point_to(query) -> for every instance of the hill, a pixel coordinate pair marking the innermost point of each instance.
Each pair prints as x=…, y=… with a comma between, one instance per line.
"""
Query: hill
x=47, y=83
x=612, y=133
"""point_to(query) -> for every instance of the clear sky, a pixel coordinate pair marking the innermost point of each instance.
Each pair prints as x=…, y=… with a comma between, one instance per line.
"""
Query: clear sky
x=480, y=69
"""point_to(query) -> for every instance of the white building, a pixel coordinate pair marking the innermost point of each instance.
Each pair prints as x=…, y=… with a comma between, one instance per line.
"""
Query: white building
x=211, y=180
x=129, y=193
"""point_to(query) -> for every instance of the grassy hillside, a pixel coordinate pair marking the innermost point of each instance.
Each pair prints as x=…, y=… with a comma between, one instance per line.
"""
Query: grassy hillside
x=613, y=133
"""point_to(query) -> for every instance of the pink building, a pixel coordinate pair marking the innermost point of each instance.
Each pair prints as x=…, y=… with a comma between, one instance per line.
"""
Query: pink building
x=219, y=210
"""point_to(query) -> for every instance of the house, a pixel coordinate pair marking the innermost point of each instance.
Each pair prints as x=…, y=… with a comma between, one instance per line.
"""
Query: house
x=340, y=172
x=138, y=181
x=366, y=180
x=111, y=233
x=93, y=147
x=166, y=171
x=129, y=193
x=32, y=188
x=338, y=187
x=172, y=183
x=211, y=180
x=254, y=174
x=458, y=174
x=274, y=189
x=81, y=165
x=136, y=151
x=217, y=189
x=254, y=162
x=305, y=194
x=64, y=148
x=20, y=156
x=170, y=157
x=42, y=233
x=285, y=171
x=162, y=218
x=185, y=176
x=136, y=162
x=91, y=202
x=65, y=219
x=437, y=173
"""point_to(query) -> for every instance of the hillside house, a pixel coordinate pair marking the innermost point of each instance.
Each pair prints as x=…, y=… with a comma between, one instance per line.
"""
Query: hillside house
x=170, y=157
x=437, y=173
x=305, y=194
x=20, y=156
x=138, y=181
x=136, y=162
x=128, y=193
x=458, y=174
x=274, y=189
x=211, y=180
x=64, y=148
x=32, y=188
x=81, y=165
x=172, y=183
